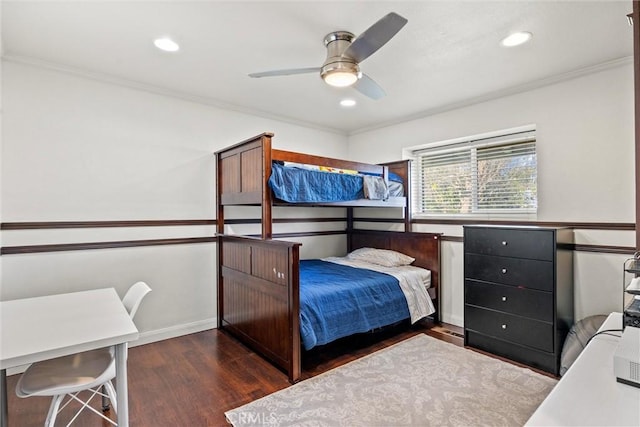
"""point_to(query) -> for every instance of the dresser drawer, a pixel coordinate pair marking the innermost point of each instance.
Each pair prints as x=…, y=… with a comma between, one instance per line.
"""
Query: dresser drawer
x=522, y=302
x=533, y=244
x=533, y=274
x=507, y=327
x=549, y=362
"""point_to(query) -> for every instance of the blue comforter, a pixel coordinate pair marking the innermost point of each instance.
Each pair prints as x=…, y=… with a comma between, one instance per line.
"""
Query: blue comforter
x=296, y=185
x=337, y=301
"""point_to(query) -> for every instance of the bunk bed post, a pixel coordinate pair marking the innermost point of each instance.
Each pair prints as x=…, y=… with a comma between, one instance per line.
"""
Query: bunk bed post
x=219, y=206
x=349, y=227
x=220, y=231
x=267, y=199
x=295, y=355
x=402, y=168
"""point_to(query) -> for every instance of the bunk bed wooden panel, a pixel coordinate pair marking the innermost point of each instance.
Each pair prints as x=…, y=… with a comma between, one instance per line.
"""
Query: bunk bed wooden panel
x=242, y=170
x=400, y=168
x=259, y=294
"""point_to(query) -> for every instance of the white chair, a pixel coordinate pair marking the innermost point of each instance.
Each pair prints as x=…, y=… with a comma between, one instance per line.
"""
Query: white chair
x=69, y=375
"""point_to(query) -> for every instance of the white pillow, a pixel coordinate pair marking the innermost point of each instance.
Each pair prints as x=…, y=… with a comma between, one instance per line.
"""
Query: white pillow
x=384, y=257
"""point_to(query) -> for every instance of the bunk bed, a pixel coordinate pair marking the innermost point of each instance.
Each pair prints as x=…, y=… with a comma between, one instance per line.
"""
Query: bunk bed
x=259, y=277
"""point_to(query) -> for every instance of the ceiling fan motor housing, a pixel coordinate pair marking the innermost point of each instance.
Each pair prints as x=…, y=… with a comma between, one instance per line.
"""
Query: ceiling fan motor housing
x=336, y=43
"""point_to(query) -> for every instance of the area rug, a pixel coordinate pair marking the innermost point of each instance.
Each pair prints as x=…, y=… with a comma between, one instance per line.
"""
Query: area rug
x=421, y=381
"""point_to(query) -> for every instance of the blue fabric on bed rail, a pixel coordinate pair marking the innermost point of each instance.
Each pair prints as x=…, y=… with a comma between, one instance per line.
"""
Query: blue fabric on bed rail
x=337, y=301
x=295, y=185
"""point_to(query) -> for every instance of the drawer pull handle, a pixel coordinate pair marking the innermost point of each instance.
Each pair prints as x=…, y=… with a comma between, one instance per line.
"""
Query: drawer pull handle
x=504, y=326
x=504, y=298
x=504, y=271
x=504, y=243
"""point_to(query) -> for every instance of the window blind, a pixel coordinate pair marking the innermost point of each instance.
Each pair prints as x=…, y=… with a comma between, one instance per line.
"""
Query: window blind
x=497, y=174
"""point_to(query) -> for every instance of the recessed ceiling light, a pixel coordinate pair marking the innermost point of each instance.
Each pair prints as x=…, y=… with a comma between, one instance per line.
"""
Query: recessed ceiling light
x=516, y=39
x=348, y=102
x=166, y=44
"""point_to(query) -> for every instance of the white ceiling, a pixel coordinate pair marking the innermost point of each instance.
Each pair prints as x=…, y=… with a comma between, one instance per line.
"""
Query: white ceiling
x=448, y=54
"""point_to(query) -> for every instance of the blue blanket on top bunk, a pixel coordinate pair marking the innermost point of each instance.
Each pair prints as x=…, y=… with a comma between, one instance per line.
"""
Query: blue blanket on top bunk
x=295, y=185
x=337, y=301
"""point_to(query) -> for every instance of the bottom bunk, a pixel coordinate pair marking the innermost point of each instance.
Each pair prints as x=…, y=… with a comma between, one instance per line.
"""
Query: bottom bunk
x=277, y=304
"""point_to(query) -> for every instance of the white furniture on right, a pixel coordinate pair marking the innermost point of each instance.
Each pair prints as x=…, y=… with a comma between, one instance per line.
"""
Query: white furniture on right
x=588, y=394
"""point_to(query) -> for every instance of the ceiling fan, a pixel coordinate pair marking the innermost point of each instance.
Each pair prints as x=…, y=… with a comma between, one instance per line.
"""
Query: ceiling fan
x=345, y=52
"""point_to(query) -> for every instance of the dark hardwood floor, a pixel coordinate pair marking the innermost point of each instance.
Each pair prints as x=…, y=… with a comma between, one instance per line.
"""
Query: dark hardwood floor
x=192, y=380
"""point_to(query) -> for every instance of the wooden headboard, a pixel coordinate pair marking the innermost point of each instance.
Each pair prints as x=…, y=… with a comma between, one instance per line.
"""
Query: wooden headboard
x=424, y=247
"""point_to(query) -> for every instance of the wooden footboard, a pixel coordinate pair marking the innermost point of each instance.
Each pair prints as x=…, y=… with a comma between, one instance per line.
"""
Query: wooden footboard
x=259, y=297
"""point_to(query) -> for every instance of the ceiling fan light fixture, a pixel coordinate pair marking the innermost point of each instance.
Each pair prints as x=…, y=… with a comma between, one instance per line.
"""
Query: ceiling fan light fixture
x=340, y=78
x=340, y=74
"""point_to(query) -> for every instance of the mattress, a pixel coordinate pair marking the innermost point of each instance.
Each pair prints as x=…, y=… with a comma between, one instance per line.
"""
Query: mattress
x=338, y=300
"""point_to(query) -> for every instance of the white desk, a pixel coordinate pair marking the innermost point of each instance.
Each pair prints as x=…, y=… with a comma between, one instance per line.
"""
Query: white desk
x=41, y=328
x=588, y=394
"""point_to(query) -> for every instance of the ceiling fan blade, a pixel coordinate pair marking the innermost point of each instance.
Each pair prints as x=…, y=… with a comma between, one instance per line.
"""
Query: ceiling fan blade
x=367, y=86
x=374, y=37
x=285, y=72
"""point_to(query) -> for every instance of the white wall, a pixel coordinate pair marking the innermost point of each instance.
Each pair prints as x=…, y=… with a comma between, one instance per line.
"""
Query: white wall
x=1, y=129
x=80, y=149
x=585, y=147
x=77, y=149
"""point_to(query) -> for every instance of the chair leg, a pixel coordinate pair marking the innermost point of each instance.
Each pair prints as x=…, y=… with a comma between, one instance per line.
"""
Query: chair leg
x=53, y=410
x=105, y=399
x=111, y=392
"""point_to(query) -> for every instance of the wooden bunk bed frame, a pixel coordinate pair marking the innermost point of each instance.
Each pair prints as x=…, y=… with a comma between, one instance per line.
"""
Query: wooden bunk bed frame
x=258, y=278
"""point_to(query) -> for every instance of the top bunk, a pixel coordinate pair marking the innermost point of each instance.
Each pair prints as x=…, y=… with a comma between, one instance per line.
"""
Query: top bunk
x=252, y=173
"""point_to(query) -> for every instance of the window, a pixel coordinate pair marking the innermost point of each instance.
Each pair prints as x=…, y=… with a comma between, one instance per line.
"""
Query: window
x=477, y=176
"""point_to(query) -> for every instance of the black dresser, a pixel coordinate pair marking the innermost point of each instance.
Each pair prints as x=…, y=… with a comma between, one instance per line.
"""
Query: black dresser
x=518, y=292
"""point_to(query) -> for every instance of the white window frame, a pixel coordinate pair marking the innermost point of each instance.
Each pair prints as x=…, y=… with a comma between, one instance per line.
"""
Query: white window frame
x=472, y=143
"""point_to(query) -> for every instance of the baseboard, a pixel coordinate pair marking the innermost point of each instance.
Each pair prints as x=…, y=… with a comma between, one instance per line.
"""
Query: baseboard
x=154, y=336
x=454, y=320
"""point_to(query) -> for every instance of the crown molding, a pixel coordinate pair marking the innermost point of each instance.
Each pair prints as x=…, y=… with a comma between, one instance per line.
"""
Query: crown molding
x=212, y=102
x=513, y=90
x=159, y=90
